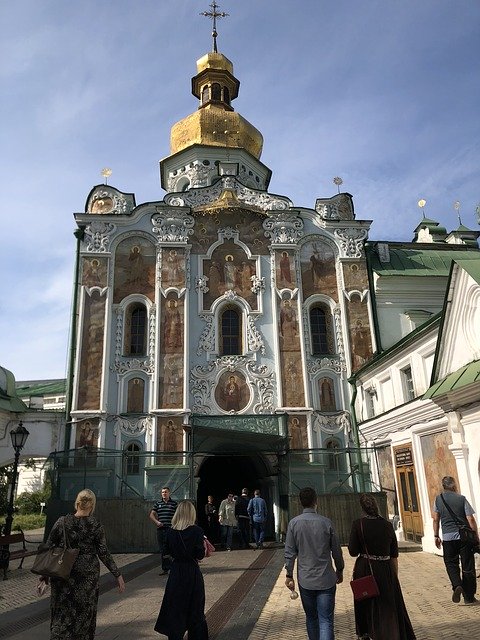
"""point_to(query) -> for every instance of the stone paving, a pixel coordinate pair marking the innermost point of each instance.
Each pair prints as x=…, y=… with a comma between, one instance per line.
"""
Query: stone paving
x=265, y=613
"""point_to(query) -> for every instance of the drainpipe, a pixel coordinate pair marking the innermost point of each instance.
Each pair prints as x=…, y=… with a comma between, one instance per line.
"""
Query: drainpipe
x=79, y=235
x=356, y=432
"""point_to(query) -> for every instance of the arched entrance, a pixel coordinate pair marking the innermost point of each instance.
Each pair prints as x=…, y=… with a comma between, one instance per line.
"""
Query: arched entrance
x=220, y=474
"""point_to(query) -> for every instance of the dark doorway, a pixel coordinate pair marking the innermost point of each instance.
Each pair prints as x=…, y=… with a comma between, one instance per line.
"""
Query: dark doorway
x=219, y=475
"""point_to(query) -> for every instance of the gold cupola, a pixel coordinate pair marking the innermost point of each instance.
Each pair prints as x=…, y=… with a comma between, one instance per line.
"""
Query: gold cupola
x=215, y=123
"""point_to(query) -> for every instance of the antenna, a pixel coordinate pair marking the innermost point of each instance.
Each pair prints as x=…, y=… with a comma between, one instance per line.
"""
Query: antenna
x=213, y=15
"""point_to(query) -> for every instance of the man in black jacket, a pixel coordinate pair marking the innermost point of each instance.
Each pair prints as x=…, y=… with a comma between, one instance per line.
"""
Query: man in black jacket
x=243, y=519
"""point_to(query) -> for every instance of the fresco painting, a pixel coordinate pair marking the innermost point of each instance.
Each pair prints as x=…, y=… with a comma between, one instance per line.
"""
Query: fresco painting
x=91, y=352
x=171, y=383
x=359, y=331
x=248, y=224
x=289, y=330
x=292, y=380
x=438, y=461
x=386, y=474
x=170, y=435
x=172, y=325
x=94, y=272
x=173, y=268
x=355, y=276
x=86, y=435
x=326, y=389
x=317, y=261
x=297, y=432
x=136, y=395
x=232, y=393
x=285, y=270
x=229, y=269
x=134, y=269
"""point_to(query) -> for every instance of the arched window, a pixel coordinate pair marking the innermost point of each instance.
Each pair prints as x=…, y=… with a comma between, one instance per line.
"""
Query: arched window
x=136, y=330
x=216, y=91
x=334, y=455
x=321, y=330
x=205, y=94
x=226, y=95
x=135, y=395
x=230, y=332
x=132, y=451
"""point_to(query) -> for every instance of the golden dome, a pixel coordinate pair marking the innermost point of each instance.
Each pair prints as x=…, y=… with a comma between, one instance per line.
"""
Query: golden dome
x=215, y=123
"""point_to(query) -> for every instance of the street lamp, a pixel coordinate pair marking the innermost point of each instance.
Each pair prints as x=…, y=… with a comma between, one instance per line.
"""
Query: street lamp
x=19, y=438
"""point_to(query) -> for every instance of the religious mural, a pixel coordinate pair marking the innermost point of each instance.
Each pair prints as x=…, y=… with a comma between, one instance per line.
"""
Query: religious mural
x=134, y=269
x=438, y=461
x=386, y=474
x=171, y=382
x=171, y=360
x=94, y=272
x=289, y=328
x=355, y=276
x=136, y=395
x=248, y=224
x=86, y=435
x=359, y=330
x=318, y=269
x=173, y=268
x=297, y=432
x=292, y=379
x=91, y=351
x=285, y=270
x=326, y=387
x=169, y=439
x=232, y=392
x=229, y=269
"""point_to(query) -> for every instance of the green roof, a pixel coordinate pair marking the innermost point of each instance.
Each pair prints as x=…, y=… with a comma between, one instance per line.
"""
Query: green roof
x=9, y=400
x=418, y=260
x=37, y=388
x=468, y=374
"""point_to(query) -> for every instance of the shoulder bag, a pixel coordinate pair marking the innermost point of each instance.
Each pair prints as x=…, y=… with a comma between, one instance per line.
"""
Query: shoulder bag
x=208, y=546
x=366, y=587
x=467, y=534
x=55, y=562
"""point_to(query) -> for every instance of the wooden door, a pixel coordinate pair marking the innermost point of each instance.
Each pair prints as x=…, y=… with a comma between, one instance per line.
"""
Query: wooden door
x=409, y=504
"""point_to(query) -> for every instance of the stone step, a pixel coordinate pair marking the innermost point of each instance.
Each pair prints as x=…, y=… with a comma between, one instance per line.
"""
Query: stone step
x=405, y=546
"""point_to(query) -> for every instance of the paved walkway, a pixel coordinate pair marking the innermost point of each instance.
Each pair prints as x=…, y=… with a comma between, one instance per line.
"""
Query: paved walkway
x=246, y=600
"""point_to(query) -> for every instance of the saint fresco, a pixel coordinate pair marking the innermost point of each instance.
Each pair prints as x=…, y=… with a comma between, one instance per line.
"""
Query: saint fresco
x=134, y=269
x=171, y=383
x=297, y=432
x=359, y=329
x=284, y=270
x=173, y=268
x=438, y=461
x=292, y=379
x=232, y=392
x=94, y=272
x=91, y=352
x=289, y=327
x=328, y=402
x=169, y=440
x=318, y=269
x=135, y=395
x=229, y=269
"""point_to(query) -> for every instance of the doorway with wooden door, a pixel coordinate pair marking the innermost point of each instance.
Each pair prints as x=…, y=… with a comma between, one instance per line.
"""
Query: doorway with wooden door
x=409, y=504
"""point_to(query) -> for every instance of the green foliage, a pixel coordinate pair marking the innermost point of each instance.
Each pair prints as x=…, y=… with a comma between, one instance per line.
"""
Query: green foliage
x=29, y=502
x=27, y=522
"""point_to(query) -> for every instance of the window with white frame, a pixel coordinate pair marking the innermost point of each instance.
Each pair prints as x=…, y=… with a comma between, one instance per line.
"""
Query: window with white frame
x=407, y=384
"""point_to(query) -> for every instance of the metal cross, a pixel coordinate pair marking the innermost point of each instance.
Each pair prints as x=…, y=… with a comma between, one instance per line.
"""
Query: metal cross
x=213, y=15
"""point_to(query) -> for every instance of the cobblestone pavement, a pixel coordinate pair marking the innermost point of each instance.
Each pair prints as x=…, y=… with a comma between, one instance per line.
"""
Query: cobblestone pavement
x=262, y=611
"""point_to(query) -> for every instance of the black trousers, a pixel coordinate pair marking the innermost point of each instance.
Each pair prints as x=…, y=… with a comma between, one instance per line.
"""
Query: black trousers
x=161, y=539
x=244, y=529
x=455, y=551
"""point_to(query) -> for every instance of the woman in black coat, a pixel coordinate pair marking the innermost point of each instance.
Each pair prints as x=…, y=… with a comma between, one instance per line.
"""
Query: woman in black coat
x=386, y=615
x=183, y=605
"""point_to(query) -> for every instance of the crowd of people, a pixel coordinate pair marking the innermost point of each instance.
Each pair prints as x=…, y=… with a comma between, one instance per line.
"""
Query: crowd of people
x=311, y=543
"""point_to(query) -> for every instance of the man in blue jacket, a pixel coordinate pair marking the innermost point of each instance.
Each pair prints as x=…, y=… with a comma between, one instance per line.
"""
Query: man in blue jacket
x=257, y=510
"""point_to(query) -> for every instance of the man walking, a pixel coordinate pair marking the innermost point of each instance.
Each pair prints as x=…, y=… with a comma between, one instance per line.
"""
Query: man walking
x=162, y=514
x=312, y=540
x=243, y=519
x=449, y=509
x=257, y=510
x=226, y=517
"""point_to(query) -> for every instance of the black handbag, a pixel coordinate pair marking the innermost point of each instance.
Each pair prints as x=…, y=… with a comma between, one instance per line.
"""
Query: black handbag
x=365, y=587
x=467, y=534
x=55, y=562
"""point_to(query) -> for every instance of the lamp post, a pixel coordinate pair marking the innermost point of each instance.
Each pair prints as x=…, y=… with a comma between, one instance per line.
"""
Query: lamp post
x=19, y=438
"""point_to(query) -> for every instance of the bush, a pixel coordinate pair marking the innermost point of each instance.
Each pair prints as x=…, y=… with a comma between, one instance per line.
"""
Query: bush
x=29, y=502
x=27, y=522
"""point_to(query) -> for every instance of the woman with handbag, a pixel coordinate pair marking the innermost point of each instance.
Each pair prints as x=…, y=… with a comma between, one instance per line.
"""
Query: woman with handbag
x=73, y=603
x=183, y=605
x=373, y=541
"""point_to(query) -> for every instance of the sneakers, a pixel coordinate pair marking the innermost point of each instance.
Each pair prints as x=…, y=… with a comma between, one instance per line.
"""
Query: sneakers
x=457, y=594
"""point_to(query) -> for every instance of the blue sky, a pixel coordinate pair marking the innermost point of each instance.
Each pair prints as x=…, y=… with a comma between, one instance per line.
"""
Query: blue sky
x=384, y=93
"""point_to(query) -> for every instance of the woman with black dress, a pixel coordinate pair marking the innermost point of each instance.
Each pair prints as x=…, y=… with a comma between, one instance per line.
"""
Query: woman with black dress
x=386, y=615
x=183, y=605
